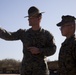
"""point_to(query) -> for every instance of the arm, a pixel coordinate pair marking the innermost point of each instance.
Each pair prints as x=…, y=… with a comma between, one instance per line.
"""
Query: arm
x=74, y=51
x=50, y=47
x=10, y=35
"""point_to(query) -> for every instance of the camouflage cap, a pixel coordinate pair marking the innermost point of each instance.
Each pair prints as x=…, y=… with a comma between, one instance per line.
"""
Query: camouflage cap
x=66, y=19
x=33, y=11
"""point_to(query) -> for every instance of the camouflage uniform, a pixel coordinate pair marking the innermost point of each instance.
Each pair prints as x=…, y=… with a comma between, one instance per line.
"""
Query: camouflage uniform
x=42, y=39
x=67, y=57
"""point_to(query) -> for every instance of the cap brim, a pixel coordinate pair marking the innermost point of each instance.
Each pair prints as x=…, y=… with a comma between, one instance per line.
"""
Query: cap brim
x=59, y=24
x=33, y=14
x=26, y=16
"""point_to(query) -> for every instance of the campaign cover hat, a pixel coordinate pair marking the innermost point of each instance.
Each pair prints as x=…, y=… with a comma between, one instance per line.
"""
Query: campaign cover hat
x=33, y=11
x=66, y=19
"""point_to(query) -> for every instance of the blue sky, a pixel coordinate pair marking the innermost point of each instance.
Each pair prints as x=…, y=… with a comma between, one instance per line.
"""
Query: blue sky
x=12, y=14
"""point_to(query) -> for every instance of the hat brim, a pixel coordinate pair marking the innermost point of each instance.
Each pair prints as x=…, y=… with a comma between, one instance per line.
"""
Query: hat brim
x=33, y=15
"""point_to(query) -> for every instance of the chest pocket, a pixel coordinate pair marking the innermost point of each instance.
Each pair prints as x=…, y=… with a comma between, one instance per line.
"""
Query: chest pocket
x=38, y=40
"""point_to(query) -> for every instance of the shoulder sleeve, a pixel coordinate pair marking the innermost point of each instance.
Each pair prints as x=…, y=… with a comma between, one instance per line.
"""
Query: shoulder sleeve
x=50, y=38
x=50, y=47
x=74, y=52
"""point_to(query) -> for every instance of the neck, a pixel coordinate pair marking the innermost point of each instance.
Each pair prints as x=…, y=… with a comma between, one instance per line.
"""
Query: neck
x=36, y=27
x=70, y=35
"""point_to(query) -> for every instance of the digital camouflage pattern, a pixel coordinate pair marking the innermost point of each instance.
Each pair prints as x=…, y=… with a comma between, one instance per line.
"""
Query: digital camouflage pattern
x=67, y=57
x=42, y=39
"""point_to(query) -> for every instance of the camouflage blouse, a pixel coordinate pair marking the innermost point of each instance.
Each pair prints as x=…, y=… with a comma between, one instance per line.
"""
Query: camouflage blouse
x=42, y=39
x=67, y=57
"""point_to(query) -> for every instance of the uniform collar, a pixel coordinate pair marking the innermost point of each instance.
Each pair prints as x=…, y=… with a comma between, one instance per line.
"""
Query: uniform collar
x=69, y=40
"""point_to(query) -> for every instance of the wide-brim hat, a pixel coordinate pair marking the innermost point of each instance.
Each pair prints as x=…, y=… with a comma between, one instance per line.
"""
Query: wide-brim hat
x=66, y=19
x=33, y=11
